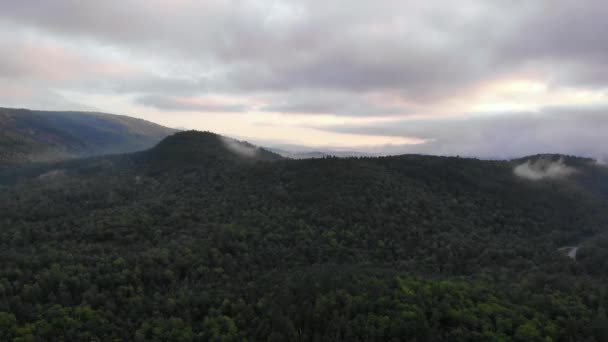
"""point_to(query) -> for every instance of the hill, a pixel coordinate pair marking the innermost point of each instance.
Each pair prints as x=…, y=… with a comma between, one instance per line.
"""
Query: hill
x=194, y=148
x=42, y=136
x=310, y=153
x=207, y=238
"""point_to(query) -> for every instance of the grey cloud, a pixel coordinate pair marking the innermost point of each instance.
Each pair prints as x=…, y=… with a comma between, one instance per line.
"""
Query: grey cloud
x=326, y=102
x=424, y=51
x=24, y=94
x=421, y=51
x=553, y=130
x=149, y=84
x=171, y=103
x=566, y=38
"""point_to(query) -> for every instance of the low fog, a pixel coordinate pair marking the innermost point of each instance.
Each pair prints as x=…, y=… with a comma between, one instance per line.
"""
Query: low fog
x=543, y=169
x=241, y=149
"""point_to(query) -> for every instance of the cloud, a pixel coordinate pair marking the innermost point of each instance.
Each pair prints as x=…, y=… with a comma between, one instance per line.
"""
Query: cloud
x=422, y=51
x=32, y=95
x=601, y=161
x=189, y=104
x=543, y=168
x=394, y=59
x=574, y=131
x=333, y=103
x=564, y=38
x=47, y=61
x=425, y=52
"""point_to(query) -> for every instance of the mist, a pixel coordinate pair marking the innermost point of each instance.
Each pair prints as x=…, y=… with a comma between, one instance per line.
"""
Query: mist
x=543, y=169
x=241, y=149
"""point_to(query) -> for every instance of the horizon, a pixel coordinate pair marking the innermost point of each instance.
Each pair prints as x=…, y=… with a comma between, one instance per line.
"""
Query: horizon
x=480, y=79
x=293, y=151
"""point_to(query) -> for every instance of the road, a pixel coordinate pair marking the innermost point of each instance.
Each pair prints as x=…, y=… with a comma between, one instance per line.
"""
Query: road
x=571, y=251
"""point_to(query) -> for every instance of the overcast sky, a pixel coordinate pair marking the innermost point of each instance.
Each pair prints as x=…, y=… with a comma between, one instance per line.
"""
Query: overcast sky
x=484, y=78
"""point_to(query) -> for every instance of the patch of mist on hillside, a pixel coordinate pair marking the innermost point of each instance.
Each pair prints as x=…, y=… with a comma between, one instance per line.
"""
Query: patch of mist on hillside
x=48, y=155
x=239, y=148
x=52, y=175
x=543, y=169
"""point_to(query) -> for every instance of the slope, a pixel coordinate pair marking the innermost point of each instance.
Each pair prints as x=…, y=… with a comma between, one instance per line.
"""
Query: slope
x=196, y=240
x=31, y=136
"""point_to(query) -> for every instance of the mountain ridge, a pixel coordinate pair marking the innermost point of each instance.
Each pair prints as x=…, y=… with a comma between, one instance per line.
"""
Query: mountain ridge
x=42, y=136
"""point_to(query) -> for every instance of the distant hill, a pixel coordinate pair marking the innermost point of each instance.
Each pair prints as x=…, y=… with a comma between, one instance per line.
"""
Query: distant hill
x=195, y=149
x=41, y=136
x=316, y=154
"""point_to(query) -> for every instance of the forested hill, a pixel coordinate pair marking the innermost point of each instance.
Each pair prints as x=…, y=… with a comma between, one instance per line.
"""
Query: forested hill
x=204, y=149
x=204, y=238
x=33, y=136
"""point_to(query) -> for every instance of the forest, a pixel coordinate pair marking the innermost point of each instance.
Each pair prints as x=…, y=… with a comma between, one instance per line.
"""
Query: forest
x=47, y=136
x=207, y=239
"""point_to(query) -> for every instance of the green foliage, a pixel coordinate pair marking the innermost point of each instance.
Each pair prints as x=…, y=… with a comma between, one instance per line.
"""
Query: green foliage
x=192, y=242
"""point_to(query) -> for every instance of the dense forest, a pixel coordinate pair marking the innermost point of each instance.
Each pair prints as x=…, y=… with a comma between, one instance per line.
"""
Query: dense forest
x=203, y=238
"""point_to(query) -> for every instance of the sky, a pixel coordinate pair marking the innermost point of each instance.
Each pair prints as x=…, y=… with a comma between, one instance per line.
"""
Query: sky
x=485, y=78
